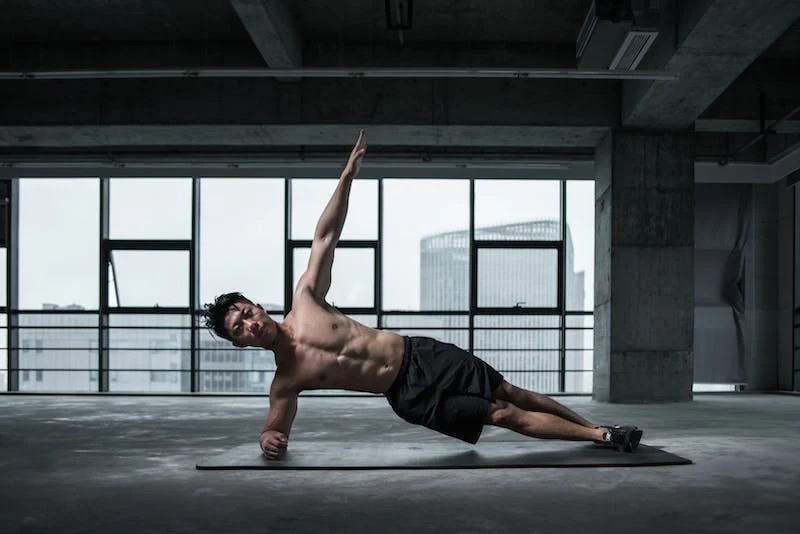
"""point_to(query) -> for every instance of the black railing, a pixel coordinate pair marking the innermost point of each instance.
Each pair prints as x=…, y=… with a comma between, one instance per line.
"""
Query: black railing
x=56, y=352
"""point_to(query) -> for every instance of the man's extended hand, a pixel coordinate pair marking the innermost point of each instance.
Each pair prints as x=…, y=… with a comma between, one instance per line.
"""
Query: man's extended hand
x=354, y=163
x=273, y=444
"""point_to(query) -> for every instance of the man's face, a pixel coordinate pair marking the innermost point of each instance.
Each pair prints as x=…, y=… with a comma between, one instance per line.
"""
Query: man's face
x=249, y=325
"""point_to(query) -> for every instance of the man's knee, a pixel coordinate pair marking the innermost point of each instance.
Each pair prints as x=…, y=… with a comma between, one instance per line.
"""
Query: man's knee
x=505, y=392
x=515, y=395
x=510, y=393
x=502, y=413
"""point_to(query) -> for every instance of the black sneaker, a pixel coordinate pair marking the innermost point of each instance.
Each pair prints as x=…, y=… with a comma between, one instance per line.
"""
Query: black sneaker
x=623, y=438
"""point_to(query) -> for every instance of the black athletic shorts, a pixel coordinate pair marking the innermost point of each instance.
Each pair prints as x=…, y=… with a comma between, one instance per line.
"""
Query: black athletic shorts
x=444, y=388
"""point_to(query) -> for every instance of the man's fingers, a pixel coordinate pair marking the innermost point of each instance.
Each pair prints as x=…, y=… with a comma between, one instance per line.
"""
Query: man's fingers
x=273, y=453
x=272, y=450
x=277, y=443
x=273, y=444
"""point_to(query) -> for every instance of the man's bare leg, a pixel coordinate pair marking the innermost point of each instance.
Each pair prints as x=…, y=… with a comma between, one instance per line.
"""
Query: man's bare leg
x=540, y=425
x=536, y=402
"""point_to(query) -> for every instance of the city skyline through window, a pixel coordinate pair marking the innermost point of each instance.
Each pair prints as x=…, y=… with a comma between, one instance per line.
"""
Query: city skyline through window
x=241, y=247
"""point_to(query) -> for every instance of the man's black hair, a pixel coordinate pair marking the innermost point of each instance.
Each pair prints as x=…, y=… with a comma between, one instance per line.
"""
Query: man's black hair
x=214, y=313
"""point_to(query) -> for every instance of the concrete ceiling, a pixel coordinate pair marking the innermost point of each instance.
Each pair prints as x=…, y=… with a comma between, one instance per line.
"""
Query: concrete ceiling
x=787, y=46
x=99, y=21
x=541, y=21
x=725, y=53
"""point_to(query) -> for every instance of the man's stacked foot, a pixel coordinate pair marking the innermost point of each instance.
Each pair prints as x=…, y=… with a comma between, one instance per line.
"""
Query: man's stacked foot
x=622, y=438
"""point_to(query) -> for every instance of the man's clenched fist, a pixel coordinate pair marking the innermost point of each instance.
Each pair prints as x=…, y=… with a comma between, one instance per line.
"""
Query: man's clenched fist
x=273, y=444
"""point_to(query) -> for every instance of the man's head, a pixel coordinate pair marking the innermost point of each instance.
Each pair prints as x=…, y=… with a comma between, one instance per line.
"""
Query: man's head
x=236, y=318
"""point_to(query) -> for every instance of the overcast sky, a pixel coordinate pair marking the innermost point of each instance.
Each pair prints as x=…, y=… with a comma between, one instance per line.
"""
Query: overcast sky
x=242, y=234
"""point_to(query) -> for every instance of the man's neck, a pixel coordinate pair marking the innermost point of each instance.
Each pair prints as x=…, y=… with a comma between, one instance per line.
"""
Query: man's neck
x=283, y=344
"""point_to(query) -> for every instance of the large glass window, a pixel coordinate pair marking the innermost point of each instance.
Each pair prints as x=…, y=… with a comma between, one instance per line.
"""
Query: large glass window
x=310, y=197
x=448, y=328
x=579, y=246
x=242, y=239
x=425, y=245
x=149, y=352
x=150, y=208
x=528, y=210
x=517, y=278
x=352, y=278
x=151, y=278
x=3, y=277
x=58, y=352
x=224, y=368
x=533, y=270
x=525, y=348
x=58, y=243
x=579, y=353
x=579, y=285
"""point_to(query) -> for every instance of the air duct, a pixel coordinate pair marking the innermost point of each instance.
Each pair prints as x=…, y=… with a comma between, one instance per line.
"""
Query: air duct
x=616, y=34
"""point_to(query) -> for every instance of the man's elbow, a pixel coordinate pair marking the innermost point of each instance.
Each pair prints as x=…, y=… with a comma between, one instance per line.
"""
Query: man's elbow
x=325, y=238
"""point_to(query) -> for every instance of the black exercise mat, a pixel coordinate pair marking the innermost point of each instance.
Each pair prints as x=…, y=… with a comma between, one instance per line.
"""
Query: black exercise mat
x=333, y=455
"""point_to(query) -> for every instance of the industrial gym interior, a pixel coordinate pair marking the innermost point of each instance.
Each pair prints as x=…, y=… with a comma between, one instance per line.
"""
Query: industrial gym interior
x=597, y=197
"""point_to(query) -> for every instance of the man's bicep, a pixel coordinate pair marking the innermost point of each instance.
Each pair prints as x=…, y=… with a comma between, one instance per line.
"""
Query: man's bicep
x=320, y=264
x=282, y=409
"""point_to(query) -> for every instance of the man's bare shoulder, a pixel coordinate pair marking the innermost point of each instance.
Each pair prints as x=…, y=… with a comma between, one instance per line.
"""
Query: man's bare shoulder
x=306, y=302
x=304, y=295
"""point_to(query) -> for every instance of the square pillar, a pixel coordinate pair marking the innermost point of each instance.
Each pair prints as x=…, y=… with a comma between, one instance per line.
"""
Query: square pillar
x=644, y=267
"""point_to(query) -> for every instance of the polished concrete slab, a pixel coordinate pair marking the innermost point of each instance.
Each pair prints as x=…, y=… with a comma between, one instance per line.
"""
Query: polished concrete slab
x=126, y=464
x=348, y=455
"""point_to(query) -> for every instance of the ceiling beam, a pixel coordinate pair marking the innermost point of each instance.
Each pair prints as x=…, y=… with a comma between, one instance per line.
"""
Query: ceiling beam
x=126, y=55
x=265, y=101
x=768, y=87
x=717, y=40
x=754, y=173
x=780, y=147
x=272, y=30
x=733, y=173
x=209, y=137
x=141, y=55
x=338, y=72
x=733, y=146
x=788, y=164
x=746, y=125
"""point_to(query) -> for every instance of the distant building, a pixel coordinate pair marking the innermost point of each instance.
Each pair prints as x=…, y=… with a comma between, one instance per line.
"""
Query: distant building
x=59, y=352
x=528, y=356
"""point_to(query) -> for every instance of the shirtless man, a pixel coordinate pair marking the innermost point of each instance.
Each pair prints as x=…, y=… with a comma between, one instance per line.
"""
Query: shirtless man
x=426, y=382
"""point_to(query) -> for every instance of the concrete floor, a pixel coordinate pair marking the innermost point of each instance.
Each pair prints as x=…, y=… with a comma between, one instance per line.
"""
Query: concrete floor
x=126, y=464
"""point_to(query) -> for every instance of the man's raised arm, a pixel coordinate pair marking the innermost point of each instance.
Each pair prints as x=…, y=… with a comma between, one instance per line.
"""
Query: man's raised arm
x=317, y=277
x=282, y=409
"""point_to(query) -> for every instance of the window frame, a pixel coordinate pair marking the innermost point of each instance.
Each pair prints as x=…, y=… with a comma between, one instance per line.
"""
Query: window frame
x=372, y=245
x=571, y=170
x=512, y=245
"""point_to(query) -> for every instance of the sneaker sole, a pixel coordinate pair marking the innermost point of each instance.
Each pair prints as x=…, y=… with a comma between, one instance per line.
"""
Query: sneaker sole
x=633, y=440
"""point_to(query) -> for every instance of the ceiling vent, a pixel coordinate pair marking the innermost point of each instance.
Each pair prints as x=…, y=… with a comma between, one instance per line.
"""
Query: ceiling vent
x=616, y=34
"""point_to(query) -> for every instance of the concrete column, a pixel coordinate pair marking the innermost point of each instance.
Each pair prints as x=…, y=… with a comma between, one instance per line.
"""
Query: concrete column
x=761, y=292
x=785, y=286
x=770, y=288
x=644, y=267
